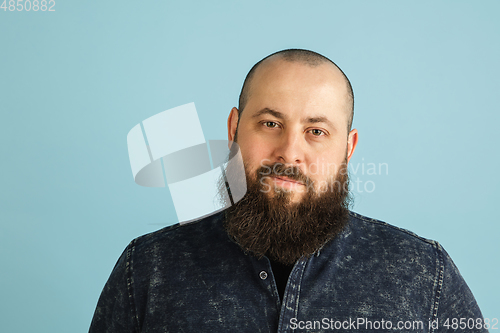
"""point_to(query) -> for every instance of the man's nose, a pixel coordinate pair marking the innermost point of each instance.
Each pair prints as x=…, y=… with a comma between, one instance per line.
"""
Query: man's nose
x=290, y=148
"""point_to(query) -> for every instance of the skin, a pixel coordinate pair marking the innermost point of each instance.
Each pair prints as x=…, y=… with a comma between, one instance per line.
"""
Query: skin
x=296, y=115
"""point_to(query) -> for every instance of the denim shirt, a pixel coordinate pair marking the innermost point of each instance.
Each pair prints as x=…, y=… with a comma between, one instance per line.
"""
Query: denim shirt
x=194, y=278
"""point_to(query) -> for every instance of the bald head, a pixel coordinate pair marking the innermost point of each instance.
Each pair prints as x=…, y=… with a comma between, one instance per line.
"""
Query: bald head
x=305, y=57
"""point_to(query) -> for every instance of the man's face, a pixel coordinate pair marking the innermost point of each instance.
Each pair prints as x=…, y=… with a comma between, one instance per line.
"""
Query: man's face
x=296, y=116
x=295, y=147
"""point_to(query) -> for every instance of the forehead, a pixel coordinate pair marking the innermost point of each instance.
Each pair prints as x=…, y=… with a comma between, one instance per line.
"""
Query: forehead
x=299, y=89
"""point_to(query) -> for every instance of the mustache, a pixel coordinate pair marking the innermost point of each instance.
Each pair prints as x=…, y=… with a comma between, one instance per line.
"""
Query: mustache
x=281, y=170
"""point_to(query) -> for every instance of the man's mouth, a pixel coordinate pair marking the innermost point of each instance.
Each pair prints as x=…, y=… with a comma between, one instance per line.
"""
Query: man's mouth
x=285, y=181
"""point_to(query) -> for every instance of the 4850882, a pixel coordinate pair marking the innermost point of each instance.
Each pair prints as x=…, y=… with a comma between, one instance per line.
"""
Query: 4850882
x=28, y=5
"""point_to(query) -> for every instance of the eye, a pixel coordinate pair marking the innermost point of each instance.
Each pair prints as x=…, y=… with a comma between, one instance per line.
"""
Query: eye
x=317, y=132
x=271, y=124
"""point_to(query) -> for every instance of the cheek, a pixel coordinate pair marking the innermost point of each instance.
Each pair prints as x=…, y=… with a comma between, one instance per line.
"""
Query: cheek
x=253, y=158
x=255, y=154
x=324, y=167
x=327, y=160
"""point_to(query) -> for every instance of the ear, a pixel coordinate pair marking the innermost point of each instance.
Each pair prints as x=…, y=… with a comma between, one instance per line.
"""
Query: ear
x=232, y=124
x=352, y=141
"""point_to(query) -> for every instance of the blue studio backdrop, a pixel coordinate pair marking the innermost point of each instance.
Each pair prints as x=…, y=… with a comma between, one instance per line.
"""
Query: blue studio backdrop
x=75, y=77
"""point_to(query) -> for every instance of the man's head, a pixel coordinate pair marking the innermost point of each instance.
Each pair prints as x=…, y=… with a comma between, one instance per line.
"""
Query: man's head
x=293, y=130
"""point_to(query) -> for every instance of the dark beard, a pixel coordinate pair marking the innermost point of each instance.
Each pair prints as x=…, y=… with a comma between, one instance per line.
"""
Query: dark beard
x=285, y=231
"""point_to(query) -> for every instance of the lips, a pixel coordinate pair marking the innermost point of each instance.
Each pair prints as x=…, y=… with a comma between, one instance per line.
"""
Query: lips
x=286, y=179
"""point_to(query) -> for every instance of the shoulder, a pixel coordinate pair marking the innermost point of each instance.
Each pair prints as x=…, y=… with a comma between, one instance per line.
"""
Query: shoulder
x=392, y=245
x=423, y=258
x=181, y=237
x=379, y=231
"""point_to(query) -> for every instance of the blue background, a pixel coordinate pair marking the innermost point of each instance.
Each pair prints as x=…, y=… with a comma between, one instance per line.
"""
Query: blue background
x=73, y=83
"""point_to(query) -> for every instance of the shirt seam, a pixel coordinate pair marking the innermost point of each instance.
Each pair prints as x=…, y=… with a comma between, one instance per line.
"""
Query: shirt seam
x=438, y=284
x=130, y=284
x=281, y=324
x=296, y=312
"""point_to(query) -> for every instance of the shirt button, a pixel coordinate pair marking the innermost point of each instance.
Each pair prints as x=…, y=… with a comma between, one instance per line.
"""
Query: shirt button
x=263, y=275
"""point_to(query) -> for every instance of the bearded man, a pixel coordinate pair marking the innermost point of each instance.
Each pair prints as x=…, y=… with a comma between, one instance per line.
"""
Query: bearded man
x=289, y=255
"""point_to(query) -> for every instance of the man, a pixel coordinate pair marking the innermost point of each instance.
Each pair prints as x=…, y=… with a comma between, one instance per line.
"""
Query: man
x=289, y=255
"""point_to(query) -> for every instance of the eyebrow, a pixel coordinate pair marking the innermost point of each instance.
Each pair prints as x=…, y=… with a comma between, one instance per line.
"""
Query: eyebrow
x=319, y=119
x=279, y=115
x=273, y=113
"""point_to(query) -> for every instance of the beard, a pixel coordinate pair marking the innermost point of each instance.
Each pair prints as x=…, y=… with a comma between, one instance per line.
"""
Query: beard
x=266, y=222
